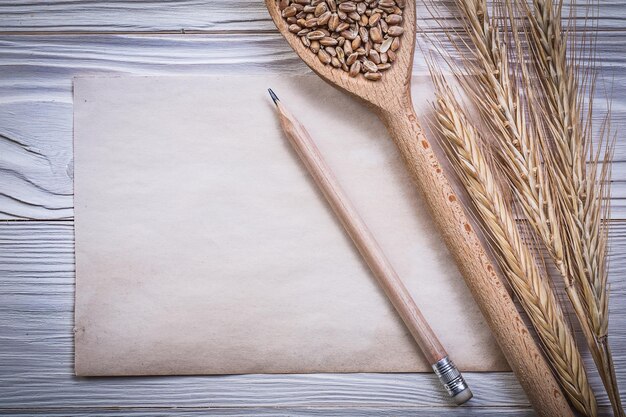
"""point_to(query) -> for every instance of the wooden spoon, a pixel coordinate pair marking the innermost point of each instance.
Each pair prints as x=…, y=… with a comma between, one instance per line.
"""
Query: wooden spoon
x=390, y=98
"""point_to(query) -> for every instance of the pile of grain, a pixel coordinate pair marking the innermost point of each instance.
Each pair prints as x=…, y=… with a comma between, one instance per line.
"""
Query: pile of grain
x=359, y=37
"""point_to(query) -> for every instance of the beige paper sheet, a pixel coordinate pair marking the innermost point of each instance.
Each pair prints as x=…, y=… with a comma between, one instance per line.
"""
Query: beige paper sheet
x=202, y=246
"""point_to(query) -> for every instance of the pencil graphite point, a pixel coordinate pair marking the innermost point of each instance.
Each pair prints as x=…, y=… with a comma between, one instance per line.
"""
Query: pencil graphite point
x=273, y=95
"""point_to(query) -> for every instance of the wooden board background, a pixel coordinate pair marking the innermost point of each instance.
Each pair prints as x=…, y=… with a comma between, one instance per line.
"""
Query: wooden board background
x=43, y=44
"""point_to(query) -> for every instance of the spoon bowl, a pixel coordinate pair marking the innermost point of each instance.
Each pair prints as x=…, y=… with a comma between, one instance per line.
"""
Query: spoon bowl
x=396, y=81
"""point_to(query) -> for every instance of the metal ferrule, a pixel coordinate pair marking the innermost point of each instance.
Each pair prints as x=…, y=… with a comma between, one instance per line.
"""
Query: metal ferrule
x=449, y=376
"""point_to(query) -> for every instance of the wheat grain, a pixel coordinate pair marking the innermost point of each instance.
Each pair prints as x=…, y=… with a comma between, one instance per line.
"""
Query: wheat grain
x=367, y=28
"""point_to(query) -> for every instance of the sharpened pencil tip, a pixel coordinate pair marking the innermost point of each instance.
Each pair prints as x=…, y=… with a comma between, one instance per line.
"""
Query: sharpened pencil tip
x=273, y=96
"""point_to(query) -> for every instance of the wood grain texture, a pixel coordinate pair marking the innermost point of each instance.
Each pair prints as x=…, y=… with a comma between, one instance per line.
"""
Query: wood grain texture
x=285, y=412
x=36, y=103
x=36, y=258
x=179, y=15
x=36, y=352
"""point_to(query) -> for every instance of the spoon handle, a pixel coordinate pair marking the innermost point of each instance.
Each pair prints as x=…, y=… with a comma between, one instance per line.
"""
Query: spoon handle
x=518, y=346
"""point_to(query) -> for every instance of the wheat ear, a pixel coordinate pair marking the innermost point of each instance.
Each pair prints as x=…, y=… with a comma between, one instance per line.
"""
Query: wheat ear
x=494, y=88
x=582, y=189
x=515, y=258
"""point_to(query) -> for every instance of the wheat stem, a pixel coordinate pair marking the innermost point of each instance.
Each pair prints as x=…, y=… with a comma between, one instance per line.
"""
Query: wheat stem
x=514, y=257
x=581, y=188
x=494, y=90
x=542, y=143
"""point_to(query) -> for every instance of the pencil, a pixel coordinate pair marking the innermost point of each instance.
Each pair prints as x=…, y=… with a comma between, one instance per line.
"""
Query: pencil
x=373, y=255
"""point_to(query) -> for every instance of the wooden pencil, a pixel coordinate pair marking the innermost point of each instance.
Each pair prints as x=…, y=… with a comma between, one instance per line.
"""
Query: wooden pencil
x=373, y=255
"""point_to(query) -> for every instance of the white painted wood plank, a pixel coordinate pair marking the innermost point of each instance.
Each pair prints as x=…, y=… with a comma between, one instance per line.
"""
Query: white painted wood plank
x=36, y=353
x=36, y=106
x=36, y=260
x=292, y=411
x=182, y=15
